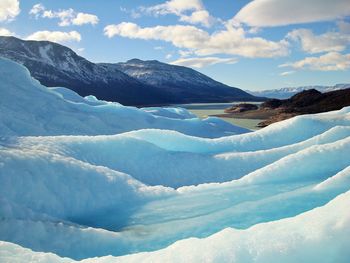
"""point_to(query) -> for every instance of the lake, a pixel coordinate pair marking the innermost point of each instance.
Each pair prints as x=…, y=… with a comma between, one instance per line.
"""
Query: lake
x=203, y=110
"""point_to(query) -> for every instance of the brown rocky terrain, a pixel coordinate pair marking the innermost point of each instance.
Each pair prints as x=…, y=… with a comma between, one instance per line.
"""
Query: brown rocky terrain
x=242, y=107
x=305, y=102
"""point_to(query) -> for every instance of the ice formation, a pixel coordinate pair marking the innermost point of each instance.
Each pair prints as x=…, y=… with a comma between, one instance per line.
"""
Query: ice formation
x=92, y=181
x=42, y=111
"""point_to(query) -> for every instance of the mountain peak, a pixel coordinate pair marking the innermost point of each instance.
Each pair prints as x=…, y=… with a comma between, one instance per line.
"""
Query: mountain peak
x=134, y=60
x=140, y=61
x=135, y=82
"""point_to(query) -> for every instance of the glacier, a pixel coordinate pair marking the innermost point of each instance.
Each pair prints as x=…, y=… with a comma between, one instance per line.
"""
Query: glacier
x=84, y=180
x=51, y=114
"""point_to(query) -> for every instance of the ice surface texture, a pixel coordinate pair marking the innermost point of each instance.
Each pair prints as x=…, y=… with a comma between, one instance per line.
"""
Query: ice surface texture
x=86, y=180
x=28, y=108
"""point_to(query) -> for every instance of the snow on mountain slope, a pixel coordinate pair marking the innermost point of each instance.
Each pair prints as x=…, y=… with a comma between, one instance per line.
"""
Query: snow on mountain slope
x=286, y=93
x=56, y=65
x=276, y=195
x=39, y=111
x=53, y=55
x=184, y=84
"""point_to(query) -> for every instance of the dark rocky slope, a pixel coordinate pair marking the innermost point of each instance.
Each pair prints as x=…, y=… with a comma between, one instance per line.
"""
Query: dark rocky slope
x=155, y=83
x=183, y=84
x=56, y=65
x=305, y=102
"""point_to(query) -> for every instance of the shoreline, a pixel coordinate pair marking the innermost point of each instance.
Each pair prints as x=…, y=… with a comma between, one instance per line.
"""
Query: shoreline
x=266, y=116
x=204, y=110
x=253, y=114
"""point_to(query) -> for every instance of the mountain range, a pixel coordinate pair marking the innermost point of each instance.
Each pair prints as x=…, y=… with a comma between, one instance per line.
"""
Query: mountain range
x=285, y=93
x=134, y=82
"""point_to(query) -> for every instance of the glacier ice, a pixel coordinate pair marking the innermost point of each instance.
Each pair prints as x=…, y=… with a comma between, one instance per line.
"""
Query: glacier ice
x=52, y=114
x=320, y=235
x=94, y=181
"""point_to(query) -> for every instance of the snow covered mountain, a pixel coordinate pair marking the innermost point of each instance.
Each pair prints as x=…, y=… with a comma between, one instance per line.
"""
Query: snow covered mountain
x=55, y=65
x=286, y=93
x=183, y=84
x=114, y=190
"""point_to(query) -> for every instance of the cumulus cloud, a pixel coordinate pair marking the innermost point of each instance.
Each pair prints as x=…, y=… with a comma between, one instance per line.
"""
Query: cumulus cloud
x=331, y=61
x=55, y=36
x=192, y=12
x=231, y=40
x=200, y=62
x=6, y=32
x=83, y=18
x=265, y=13
x=198, y=17
x=67, y=17
x=9, y=9
x=329, y=41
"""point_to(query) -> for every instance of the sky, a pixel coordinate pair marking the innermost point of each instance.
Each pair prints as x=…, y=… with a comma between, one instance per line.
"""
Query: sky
x=252, y=45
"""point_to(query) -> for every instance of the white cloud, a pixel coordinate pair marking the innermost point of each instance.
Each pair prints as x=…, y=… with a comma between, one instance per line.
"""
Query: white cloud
x=185, y=53
x=264, y=13
x=329, y=41
x=9, y=9
x=179, y=35
x=133, y=13
x=331, y=61
x=168, y=56
x=286, y=73
x=254, y=30
x=198, y=17
x=67, y=17
x=200, y=62
x=176, y=7
x=36, y=10
x=158, y=48
x=83, y=18
x=231, y=41
x=6, y=32
x=192, y=12
x=55, y=36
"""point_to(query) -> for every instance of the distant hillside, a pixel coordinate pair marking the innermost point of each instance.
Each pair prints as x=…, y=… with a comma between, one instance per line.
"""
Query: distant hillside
x=305, y=102
x=183, y=84
x=135, y=82
x=56, y=65
x=285, y=93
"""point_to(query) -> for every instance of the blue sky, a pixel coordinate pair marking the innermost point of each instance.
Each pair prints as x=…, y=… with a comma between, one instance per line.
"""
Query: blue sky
x=260, y=44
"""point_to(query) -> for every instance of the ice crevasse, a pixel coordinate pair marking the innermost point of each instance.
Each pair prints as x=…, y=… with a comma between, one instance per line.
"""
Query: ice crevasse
x=92, y=181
